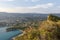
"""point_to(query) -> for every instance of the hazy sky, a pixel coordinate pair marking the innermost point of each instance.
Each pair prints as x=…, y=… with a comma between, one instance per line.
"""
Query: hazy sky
x=30, y=6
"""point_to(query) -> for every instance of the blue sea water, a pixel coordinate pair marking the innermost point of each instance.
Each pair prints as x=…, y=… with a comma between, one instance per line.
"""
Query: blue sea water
x=7, y=35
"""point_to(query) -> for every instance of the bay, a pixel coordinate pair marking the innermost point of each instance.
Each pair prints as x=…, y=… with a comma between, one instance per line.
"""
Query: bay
x=8, y=35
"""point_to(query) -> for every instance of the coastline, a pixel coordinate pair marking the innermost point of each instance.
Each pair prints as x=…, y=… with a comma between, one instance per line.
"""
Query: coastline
x=14, y=36
x=8, y=35
x=18, y=35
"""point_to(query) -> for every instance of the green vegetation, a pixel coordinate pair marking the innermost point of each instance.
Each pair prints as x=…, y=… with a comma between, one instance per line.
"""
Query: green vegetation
x=47, y=30
x=53, y=18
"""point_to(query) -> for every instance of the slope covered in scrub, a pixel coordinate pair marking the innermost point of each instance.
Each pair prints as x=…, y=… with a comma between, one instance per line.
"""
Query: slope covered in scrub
x=48, y=30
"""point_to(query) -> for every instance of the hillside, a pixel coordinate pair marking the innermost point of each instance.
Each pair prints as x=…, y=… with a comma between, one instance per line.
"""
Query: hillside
x=48, y=30
x=11, y=19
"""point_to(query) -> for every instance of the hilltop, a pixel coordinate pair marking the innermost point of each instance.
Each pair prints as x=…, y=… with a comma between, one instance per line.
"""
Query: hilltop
x=50, y=29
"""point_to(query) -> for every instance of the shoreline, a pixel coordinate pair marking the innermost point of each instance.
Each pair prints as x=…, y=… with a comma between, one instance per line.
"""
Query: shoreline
x=3, y=30
x=18, y=35
x=14, y=36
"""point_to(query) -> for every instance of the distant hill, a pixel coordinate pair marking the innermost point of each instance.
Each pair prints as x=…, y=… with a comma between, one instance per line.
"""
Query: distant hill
x=11, y=18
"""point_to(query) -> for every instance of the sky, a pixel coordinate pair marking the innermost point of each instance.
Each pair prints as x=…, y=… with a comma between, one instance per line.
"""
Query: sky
x=30, y=6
